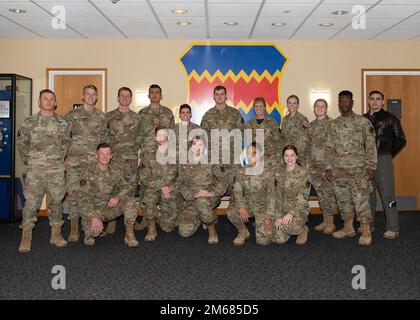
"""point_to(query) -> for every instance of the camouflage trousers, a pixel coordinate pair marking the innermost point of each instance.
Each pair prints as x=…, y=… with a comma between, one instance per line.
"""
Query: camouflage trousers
x=131, y=172
x=168, y=209
x=352, y=194
x=284, y=233
x=38, y=182
x=196, y=212
x=325, y=191
x=73, y=187
x=127, y=207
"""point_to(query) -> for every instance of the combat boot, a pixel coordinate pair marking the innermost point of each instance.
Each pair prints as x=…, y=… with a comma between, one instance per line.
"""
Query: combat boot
x=391, y=235
x=74, y=230
x=366, y=238
x=346, y=231
x=371, y=228
x=89, y=241
x=213, y=238
x=25, y=244
x=142, y=225
x=56, y=237
x=322, y=226
x=329, y=225
x=242, y=236
x=303, y=236
x=130, y=238
x=151, y=230
x=110, y=228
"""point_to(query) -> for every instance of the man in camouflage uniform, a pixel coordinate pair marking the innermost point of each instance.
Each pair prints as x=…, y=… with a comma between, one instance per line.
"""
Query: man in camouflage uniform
x=151, y=117
x=106, y=195
x=294, y=129
x=157, y=175
x=319, y=130
x=351, y=164
x=272, y=145
x=201, y=185
x=124, y=138
x=42, y=141
x=88, y=128
x=222, y=116
x=254, y=197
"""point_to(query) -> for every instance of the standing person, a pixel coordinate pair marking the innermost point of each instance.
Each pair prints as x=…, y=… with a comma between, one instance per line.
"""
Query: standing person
x=254, y=197
x=106, y=195
x=151, y=117
x=222, y=116
x=293, y=186
x=390, y=140
x=42, y=141
x=88, y=127
x=294, y=129
x=124, y=138
x=351, y=165
x=272, y=147
x=201, y=185
x=319, y=130
x=182, y=130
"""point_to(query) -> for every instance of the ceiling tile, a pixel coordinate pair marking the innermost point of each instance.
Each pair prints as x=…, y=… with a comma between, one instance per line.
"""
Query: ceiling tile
x=277, y=10
x=194, y=9
x=236, y=10
x=125, y=9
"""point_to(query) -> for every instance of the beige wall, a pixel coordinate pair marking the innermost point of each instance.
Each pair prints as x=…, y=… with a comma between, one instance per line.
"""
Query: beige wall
x=332, y=65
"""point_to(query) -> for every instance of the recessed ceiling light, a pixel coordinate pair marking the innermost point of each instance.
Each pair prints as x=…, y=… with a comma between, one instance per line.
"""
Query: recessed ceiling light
x=329, y=24
x=286, y=11
x=179, y=11
x=339, y=12
x=183, y=23
x=17, y=10
x=231, y=23
x=278, y=24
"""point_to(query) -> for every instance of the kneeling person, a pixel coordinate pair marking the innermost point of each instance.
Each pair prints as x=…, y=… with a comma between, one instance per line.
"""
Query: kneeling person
x=101, y=203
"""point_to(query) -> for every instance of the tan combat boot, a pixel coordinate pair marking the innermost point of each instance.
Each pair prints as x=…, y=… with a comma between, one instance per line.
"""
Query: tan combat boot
x=329, y=225
x=110, y=228
x=25, y=244
x=151, y=230
x=322, y=226
x=142, y=225
x=130, y=238
x=213, y=238
x=303, y=236
x=242, y=236
x=371, y=228
x=391, y=235
x=346, y=231
x=366, y=238
x=89, y=241
x=74, y=230
x=56, y=237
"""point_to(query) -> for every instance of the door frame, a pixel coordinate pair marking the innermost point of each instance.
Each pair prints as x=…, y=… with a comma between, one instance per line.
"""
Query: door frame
x=382, y=72
x=52, y=72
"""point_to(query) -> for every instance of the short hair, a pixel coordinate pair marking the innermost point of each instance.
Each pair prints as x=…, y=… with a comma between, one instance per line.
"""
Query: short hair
x=46, y=91
x=346, y=93
x=290, y=147
x=184, y=106
x=155, y=86
x=103, y=145
x=321, y=100
x=377, y=92
x=90, y=86
x=217, y=88
x=160, y=128
x=125, y=89
x=255, y=145
x=293, y=96
x=260, y=99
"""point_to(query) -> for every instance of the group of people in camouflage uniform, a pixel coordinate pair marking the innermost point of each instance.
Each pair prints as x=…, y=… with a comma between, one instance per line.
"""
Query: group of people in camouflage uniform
x=97, y=160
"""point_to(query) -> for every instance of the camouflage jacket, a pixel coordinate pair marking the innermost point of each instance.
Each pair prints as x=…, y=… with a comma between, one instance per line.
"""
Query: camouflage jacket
x=319, y=130
x=294, y=130
x=43, y=141
x=181, y=141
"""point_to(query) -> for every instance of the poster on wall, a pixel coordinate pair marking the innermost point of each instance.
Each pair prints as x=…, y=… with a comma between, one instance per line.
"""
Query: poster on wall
x=4, y=109
x=246, y=70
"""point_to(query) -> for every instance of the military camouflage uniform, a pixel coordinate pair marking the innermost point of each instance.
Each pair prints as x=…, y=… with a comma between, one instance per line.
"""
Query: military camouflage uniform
x=319, y=130
x=272, y=151
x=294, y=130
x=153, y=177
x=256, y=193
x=42, y=143
x=229, y=118
x=88, y=129
x=183, y=141
x=97, y=187
x=351, y=150
x=191, y=179
x=124, y=137
x=292, y=198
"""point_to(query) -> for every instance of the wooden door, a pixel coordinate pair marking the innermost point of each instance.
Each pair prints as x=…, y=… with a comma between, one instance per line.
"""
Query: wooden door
x=407, y=163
